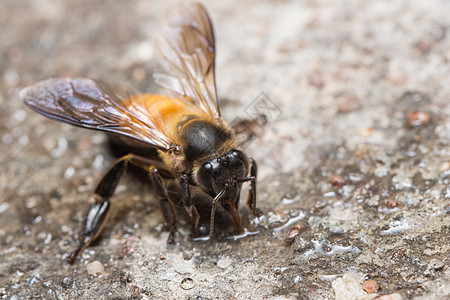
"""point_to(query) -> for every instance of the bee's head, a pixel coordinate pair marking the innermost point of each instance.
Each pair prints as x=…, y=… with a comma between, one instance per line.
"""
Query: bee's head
x=222, y=179
x=224, y=175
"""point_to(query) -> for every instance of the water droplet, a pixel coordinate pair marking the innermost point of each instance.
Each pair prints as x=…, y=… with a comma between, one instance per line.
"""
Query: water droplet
x=396, y=226
x=242, y=235
x=290, y=221
x=187, y=283
x=290, y=200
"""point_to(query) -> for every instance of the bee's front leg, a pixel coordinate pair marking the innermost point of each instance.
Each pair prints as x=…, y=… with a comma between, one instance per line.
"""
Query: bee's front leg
x=167, y=208
x=251, y=200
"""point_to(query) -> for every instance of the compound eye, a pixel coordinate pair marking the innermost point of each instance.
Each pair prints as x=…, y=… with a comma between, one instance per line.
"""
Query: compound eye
x=205, y=178
x=237, y=157
x=237, y=154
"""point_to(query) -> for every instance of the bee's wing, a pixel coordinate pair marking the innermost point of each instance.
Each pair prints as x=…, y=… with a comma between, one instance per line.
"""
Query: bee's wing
x=85, y=103
x=187, y=49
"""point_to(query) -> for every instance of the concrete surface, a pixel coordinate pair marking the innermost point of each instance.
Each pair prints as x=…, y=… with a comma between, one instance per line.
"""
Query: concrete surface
x=354, y=160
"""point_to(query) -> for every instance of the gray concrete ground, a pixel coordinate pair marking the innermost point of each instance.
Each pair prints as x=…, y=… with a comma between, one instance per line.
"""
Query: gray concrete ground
x=354, y=161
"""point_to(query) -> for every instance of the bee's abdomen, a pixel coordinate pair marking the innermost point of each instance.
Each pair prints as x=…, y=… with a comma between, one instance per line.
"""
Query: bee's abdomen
x=201, y=138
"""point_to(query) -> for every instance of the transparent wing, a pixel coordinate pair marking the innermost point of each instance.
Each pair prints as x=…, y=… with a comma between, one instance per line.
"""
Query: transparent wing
x=85, y=103
x=187, y=49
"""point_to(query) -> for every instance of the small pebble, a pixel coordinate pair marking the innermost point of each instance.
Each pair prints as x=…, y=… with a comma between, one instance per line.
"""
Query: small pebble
x=392, y=204
x=338, y=181
x=95, y=267
x=370, y=286
x=295, y=231
x=418, y=118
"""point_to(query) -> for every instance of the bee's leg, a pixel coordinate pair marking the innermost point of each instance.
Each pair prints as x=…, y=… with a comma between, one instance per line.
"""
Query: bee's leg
x=187, y=201
x=98, y=212
x=167, y=208
x=251, y=200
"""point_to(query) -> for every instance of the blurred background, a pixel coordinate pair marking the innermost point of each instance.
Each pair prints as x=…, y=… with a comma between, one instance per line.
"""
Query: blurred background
x=356, y=150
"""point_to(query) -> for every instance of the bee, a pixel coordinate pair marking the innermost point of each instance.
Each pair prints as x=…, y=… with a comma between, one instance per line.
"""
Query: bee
x=194, y=144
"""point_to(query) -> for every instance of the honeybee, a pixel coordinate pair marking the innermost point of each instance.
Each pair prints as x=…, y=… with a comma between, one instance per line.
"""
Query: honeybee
x=194, y=144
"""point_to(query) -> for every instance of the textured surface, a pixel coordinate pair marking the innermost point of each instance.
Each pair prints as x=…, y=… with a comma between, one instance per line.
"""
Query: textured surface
x=354, y=161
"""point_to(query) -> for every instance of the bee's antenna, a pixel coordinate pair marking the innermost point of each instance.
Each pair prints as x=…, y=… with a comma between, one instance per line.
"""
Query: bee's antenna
x=245, y=179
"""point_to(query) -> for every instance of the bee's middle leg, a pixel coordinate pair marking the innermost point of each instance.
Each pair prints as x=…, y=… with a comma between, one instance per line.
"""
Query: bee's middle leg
x=167, y=207
x=188, y=203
